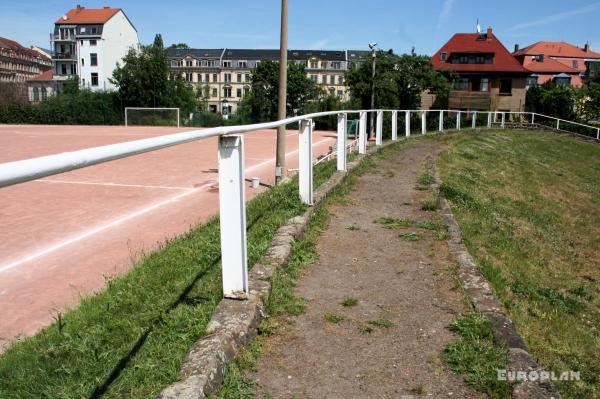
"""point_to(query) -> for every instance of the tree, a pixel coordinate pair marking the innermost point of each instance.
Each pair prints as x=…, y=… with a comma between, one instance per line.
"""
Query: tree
x=592, y=101
x=262, y=101
x=145, y=80
x=399, y=81
x=552, y=100
x=179, y=45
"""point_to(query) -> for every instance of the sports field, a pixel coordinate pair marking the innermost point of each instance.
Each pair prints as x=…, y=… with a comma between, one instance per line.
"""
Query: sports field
x=64, y=235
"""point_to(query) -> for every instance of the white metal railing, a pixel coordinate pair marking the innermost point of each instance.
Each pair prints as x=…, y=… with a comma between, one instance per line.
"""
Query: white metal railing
x=231, y=165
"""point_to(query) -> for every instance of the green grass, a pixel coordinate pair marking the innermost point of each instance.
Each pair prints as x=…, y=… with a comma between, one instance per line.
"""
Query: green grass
x=353, y=227
x=528, y=204
x=411, y=236
x=430, y=204
x=426, y=179
x=130, y=339
x=334, y=318
x=349, y=302
x=475, y=356
x=381, y=323
x=393, y=223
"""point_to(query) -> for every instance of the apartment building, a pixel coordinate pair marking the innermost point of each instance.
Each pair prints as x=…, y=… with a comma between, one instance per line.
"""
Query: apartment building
x=563, y=63
x=18, y=63
x=488, y=76
x=88, y=43
x=224, y=75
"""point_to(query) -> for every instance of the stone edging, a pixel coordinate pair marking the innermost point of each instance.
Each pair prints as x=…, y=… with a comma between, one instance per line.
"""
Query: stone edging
x=234, y=323
x=483, y=300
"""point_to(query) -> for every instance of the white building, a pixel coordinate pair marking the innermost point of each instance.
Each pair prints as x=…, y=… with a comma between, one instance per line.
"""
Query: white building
x=88, y=42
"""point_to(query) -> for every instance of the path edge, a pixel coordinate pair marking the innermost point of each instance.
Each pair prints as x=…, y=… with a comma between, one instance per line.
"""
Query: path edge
x=482, y=298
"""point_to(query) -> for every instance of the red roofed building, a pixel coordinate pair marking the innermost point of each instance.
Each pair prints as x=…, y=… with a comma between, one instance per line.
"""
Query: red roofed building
x=41, y=87
x=88, y=43
x=488, y=76
x=559, y=61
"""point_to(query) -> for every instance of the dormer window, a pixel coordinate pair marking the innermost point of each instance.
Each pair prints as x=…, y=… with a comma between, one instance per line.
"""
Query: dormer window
x=443, y=56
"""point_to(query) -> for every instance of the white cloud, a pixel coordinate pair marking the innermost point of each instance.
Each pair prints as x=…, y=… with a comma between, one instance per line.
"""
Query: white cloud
x=556, y=17
x=445, y=13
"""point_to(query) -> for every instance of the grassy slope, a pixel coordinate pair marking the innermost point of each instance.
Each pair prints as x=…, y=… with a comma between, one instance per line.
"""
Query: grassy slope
x=528, y=204
x=130, y=339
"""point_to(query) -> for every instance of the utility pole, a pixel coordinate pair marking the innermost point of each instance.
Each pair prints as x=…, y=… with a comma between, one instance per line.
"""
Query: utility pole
x=282, y=104
x=372, y=128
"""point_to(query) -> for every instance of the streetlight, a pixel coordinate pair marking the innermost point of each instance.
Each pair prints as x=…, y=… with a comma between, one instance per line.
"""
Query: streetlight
x=281, y=106
x=373, y=47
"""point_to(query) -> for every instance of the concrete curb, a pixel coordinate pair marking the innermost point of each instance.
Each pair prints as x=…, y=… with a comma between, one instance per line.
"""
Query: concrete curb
x=483, y=300
x=235, y=323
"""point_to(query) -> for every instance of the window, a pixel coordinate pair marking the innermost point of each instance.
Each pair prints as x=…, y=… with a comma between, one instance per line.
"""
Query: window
x=506, y=86
x=313, y=78
x=239, y=78
x=324, y=79
x=461, y=84
x=463, y=59
x=247, y=78
x=331, y=79
x=480, y=59
x=242, y=64
x=226, y=64
x=44, y=94
x=36, y=94
x=215, y=79
x=340, y=94
x=83, y=62
x=479, y=84
x=94, y=30
x=562, y=80
x=95, y=79
x=94, y=59
x=63, y=69
x=226, y=91
x=246, y=90
x=532, y=80
x=207, y=77
x=227, y=78
x=485, y=84
x=239, y=92
x=189, y=77
x=575, y=64
x=93, y=42
x=81, y=43
x=214, y=92
x=83, y=82
x=331, y=91
x=314, y=65
x=336, y=65
x=189, y=63
x=82, y=30
x=341, y=79
x=443, y=56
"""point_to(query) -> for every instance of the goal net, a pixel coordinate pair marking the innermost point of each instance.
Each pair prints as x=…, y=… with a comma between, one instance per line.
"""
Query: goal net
x=141, y=116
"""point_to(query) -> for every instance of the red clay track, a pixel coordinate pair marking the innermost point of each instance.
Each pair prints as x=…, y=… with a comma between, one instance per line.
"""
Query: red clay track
x=63, y=235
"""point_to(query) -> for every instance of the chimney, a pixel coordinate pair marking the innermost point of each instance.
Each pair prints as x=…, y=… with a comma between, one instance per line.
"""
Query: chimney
x=516, y=48
x=489, y=33
x=79, y=8
x=586, y=48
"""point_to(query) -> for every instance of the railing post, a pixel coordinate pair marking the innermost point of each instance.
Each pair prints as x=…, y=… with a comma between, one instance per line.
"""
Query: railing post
x=394, y=125
x=558, y=124
x=458, y=120
x=474, y=121
x=489, y=124
x=503, y=119
x=423, y=122
x=342, y=139
x=441, y=127
x=362, y=133
x=379, y=128
x=407, y=123
x=305, y=165
x=597, y=134
x=232, y=210
x=532, y=118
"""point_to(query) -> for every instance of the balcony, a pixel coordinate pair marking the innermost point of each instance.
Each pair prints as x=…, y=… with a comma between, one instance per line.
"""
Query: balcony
x=63, y=56
x=476, y=100
x=63, y=38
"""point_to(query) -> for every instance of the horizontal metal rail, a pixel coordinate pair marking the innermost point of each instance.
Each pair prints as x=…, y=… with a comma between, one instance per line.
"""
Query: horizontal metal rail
x=232, y=198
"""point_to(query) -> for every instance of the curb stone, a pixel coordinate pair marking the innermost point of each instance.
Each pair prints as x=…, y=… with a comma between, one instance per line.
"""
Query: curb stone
x=483, y=300
x=235, y=323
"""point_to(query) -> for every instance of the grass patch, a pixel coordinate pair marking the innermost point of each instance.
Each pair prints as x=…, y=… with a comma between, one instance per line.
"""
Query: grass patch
x=393, y=223
x=419, y=389
x=430, y=204
x=353, y=227
x=411, y=236
x=381, y=323
x=426, y=179
x=334, y=318
x=130, y=339
x=528, y=205
x=476, y=357
x=349, y=302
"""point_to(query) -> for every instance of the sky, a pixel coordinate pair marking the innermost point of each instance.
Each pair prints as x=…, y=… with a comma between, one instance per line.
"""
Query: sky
x=323, y=24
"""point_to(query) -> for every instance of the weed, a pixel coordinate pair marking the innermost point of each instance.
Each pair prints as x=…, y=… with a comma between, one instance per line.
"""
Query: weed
x=411, y=236
x=366, y=330
x=334, y=318
x=381, y=323
x=426, y=179
x=393, y=223
x=419, y=389
x=430, y=204
x=349, y=301
x=353, y=227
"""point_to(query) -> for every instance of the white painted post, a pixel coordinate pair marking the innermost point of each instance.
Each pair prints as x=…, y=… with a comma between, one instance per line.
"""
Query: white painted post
x=489, y=125
x=362, y=133
x=305, y=165
x=407, y=123
x=423, y=122
x=458, y=120
x=379, y=129
x=441, y=128
x=558, y=124
x=597, y=134
x=474, y=121
x=232, y=210
x=394, y=125
x=532, y=118
x=342, y=138
x=503, y=119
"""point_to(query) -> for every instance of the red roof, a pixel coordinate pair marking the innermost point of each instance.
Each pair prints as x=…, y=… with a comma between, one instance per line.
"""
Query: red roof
x=477, y=43
x=82, y=15
x=44, y=77
x=12, y=45
x=548, y=66
x=557, y=49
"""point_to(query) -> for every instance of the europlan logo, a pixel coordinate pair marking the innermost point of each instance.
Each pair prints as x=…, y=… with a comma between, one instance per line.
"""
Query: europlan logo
x=534, y=375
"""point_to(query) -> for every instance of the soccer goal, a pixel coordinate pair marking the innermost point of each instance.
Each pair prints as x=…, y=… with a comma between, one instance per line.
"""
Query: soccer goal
x=148, y=116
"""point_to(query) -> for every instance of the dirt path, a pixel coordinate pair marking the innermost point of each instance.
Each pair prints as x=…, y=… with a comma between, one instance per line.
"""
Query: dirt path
x=405, y=286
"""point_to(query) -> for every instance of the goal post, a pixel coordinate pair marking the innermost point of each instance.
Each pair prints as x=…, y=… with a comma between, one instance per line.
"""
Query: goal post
x=151, y=116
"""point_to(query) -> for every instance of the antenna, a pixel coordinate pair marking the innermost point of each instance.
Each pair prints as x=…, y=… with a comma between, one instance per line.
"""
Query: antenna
x=478, y=26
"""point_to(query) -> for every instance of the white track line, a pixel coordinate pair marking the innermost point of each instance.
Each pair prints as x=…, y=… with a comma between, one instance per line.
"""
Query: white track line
x=91, y=183
x=132, y=215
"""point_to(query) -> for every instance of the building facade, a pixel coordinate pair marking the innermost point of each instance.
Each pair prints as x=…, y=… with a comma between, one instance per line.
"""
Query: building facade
x=224, y=75
x=88, y=43
x=488, y=77
x=563, y=63
x=18, y=63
